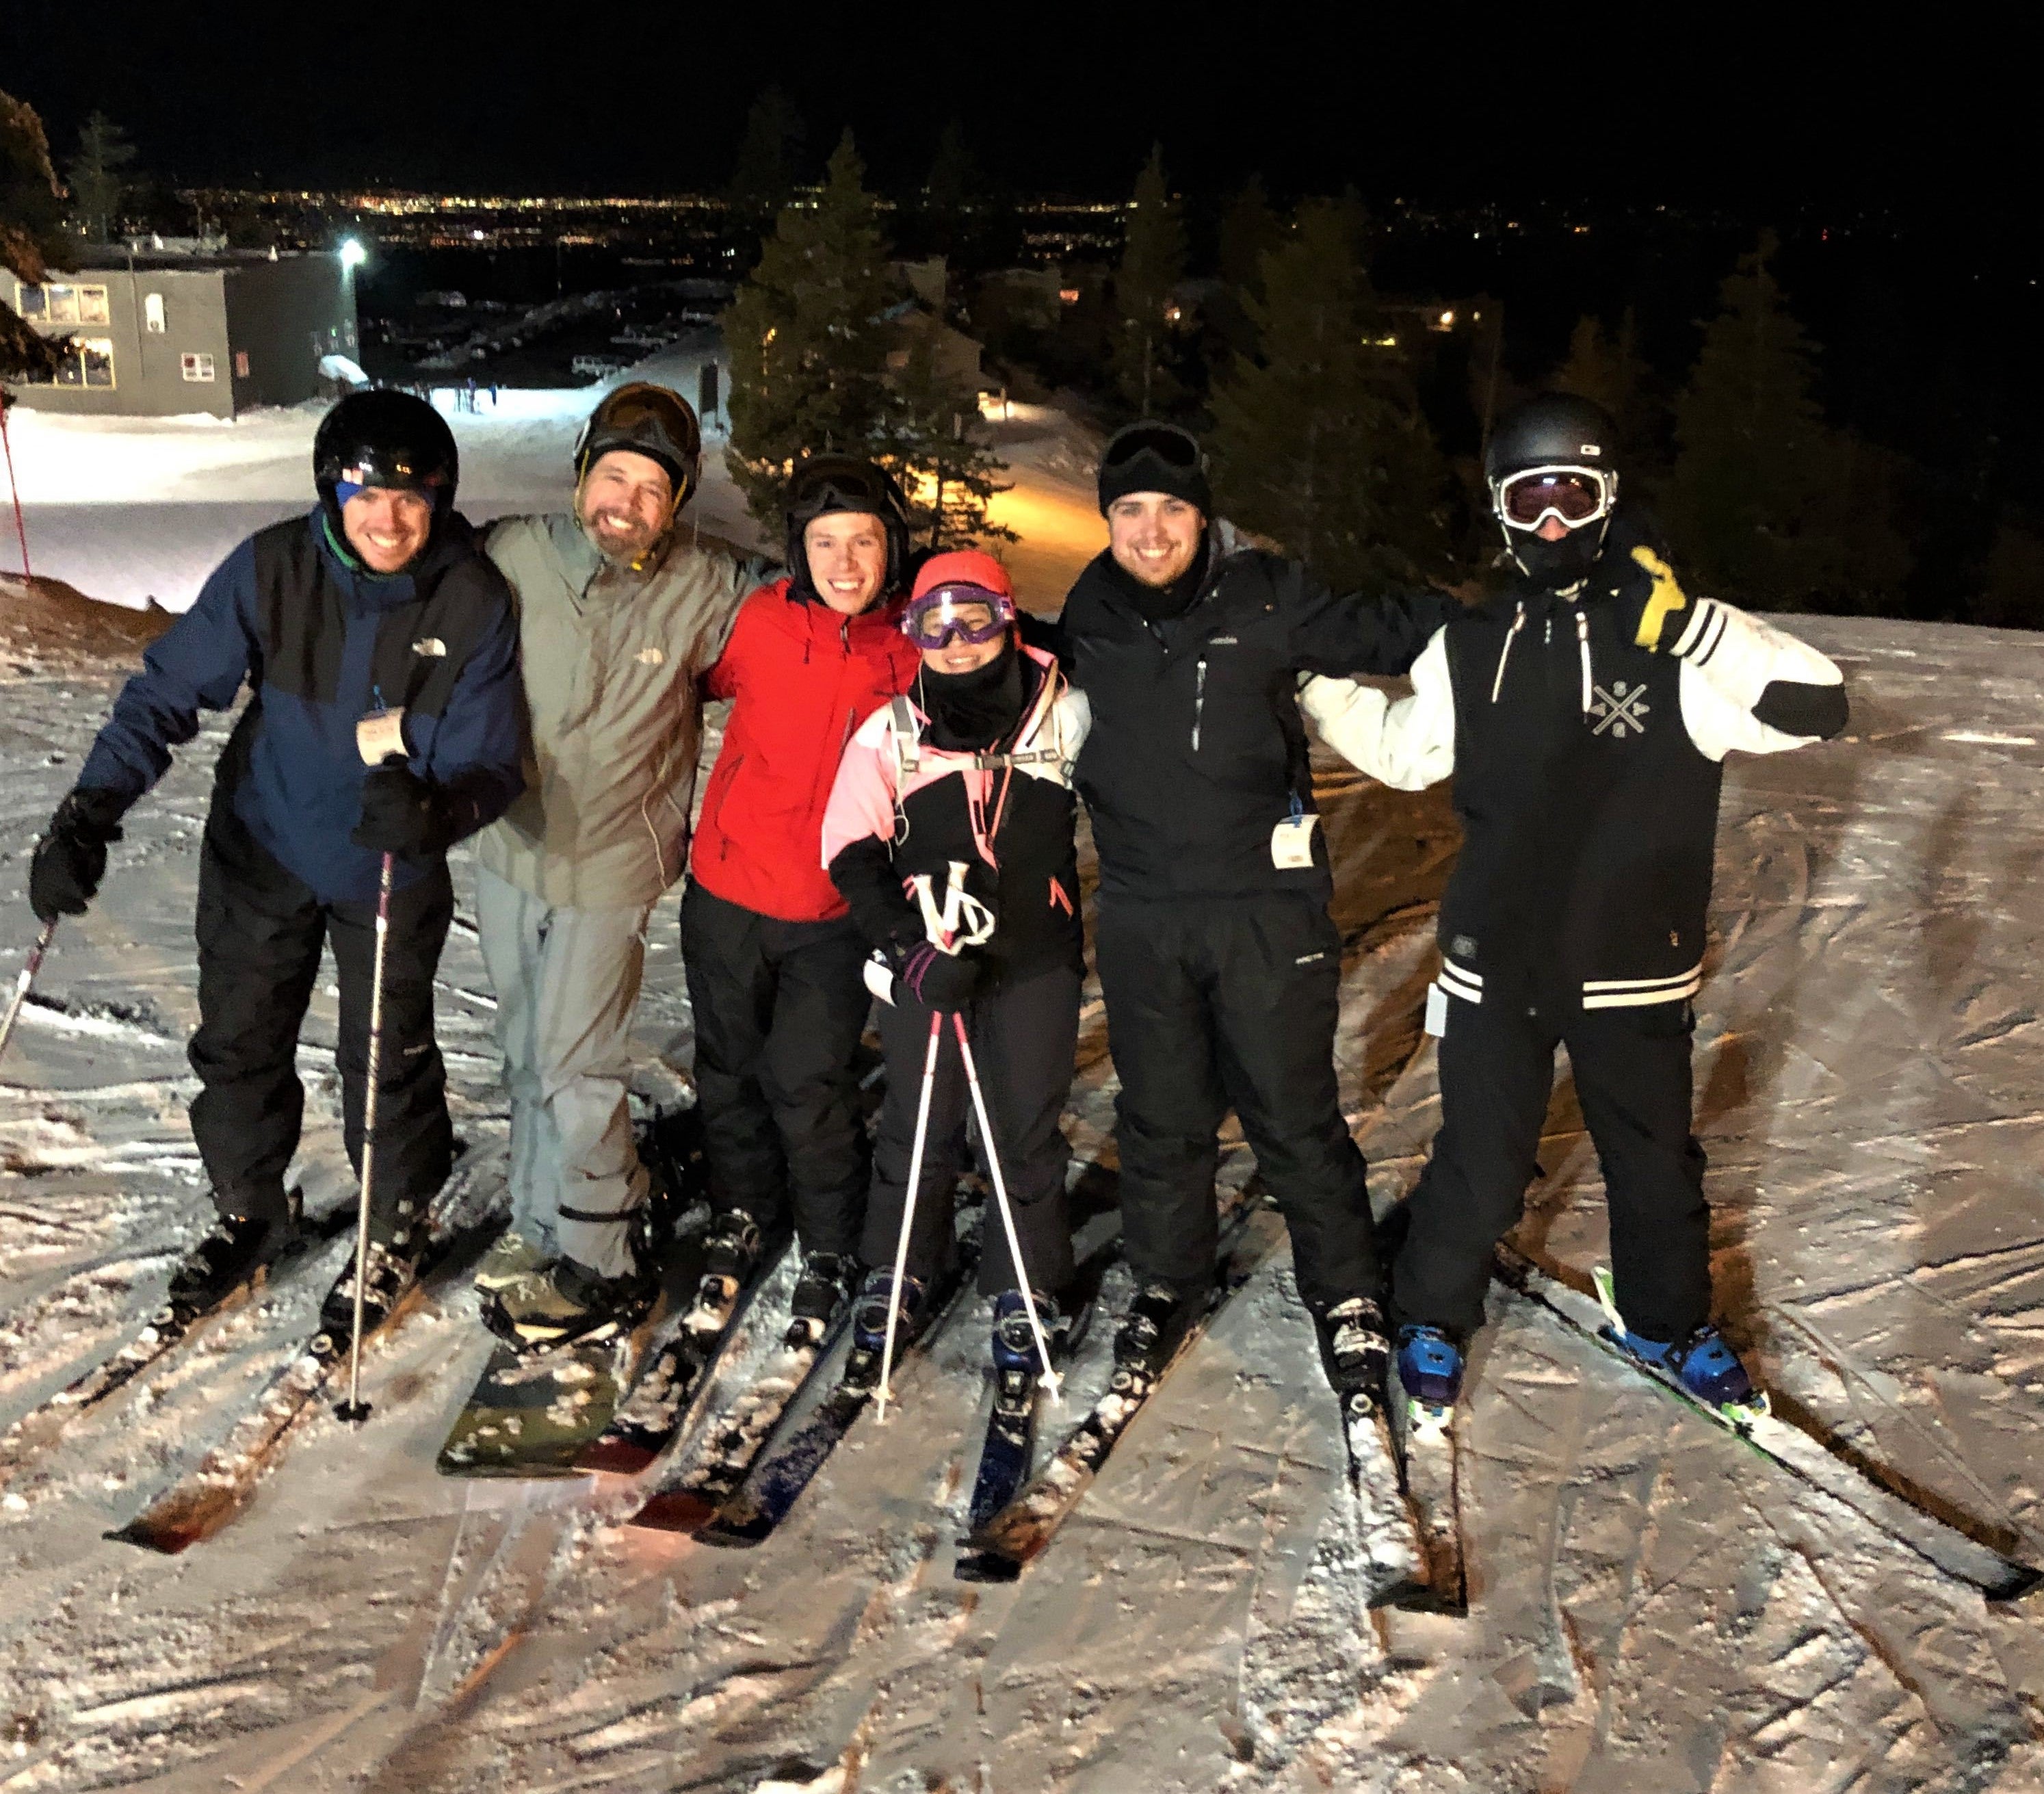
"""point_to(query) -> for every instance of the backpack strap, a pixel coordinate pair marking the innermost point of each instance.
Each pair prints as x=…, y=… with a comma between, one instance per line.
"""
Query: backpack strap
x=908, y=738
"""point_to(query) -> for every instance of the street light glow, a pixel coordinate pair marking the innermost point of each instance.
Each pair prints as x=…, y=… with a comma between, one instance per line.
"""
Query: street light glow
x=352, y=254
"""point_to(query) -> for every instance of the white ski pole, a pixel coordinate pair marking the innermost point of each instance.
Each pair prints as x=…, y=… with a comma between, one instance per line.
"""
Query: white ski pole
x=1049, y=1379
x=909, y=1212
x=354, y=1409
x=30, y=966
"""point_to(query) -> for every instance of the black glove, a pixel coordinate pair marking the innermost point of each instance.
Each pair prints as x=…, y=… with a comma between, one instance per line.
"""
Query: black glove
x=402, y=813
x=70, y=859
x=1648, y=603
x=939, y=979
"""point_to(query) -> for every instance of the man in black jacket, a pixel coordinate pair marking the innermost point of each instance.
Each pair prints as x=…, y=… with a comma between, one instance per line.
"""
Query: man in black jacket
x=1585, y=714
x=1220, y=965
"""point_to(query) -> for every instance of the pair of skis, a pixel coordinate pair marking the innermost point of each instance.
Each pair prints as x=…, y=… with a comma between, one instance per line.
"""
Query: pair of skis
x=199, y=1504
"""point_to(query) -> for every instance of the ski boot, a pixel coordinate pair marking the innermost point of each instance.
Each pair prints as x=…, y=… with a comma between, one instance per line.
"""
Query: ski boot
x=233, y=1256
x=730, y=1252
x=1157, y=1320
x=1430, y=1371
x=876, y=1301
x=1355, y=1352
x=1705, y=1366
x=821, y=1293
x=567, y=1303
x=393, y=1267
x=511, y=1256
x=1014, y=1351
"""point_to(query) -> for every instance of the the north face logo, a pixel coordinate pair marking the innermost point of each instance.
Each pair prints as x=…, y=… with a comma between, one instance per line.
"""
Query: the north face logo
x=1622, y=709
x=431, y=646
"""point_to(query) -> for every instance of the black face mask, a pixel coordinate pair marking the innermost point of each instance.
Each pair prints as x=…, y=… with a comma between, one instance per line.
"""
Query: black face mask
x=969, y=712
x=1556, y=566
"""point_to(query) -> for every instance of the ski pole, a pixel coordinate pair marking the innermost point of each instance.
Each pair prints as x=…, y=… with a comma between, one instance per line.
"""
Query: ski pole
x=30, y=966
x=1050, y=1377
x=908, y=1210
x=355, y=1409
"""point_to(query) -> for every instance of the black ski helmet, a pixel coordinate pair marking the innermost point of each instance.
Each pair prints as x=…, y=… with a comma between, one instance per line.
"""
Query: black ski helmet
x=383, y=437
x=1553, y=429
x=649, y=420
x=823, y=483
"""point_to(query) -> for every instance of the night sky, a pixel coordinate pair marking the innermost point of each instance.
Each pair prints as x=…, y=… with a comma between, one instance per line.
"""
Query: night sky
x=1444, y=103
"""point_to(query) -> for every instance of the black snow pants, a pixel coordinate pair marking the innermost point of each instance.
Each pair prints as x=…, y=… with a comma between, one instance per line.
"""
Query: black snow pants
x=779, y=1007
x=1232, y=1001
x=1631, y=1070
x=260, y=932
x=1025, y=1037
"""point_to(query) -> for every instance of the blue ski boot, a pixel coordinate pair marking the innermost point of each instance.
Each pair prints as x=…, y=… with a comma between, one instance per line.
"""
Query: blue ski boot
x=876, y=1299
x=1700, y=1364
x=1015, y=1341
x=1429, y=1370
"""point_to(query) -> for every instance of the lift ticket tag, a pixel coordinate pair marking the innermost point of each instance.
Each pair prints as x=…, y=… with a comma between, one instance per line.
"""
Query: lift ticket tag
x=380, y=735
x=1292, y=842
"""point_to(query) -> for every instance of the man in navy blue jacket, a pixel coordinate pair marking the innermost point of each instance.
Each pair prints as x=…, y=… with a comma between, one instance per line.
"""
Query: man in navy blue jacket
x=376, y=615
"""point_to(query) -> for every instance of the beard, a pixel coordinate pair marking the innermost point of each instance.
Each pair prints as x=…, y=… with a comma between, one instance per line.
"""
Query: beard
x=618, y=534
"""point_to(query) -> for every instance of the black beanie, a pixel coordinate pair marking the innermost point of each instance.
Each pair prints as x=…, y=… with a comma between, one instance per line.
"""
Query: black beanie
x=1153, y=457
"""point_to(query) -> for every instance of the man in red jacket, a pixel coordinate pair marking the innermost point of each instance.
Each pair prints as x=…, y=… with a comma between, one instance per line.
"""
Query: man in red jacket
x=774, y=961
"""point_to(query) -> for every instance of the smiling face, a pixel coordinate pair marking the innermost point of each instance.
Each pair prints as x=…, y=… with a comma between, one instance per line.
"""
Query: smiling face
x=386, y=528
x=958, y=655
x=847, y=555
x=626, y=503
x=1154, y=536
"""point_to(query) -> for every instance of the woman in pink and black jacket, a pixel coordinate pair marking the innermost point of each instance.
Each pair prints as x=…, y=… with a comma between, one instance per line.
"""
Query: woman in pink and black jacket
x=950, y=833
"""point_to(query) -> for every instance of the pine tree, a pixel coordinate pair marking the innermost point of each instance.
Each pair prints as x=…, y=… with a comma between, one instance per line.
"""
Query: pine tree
x=32, y=238
x=934, y=447
x=1608, y=371
x=808, y=343
x=98, y=187
x=1249, y=230
x=1153, y=262
x=769, y=158
x=1318, y=440
x=1753, y=503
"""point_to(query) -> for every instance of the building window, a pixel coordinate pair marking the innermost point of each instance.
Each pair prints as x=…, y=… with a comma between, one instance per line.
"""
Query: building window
x=88, y=361
x=196, y=367
x=241, y=365
x=52, y=303
x=152, y=313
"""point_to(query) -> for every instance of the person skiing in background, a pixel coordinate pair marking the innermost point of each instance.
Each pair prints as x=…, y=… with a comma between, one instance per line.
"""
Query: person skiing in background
x=773, y=957
x=1584, y=715
x=378, y=606
x=1219, y=962
x=964, y=784
x=618, y=619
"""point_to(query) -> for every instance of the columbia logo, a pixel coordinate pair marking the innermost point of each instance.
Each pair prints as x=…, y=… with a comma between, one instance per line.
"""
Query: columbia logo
x=1224, y=641
x=431, y=646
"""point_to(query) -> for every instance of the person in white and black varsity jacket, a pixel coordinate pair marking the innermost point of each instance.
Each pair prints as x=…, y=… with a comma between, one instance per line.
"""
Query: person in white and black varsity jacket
x=1584, y=715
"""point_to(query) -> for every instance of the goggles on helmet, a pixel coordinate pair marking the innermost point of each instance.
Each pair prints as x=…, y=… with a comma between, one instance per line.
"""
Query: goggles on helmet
x=1171, y=445
x=1572, y=495
x=968, y=614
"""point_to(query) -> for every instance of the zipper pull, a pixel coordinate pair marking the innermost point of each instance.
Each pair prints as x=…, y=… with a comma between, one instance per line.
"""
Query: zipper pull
x=1199, y=701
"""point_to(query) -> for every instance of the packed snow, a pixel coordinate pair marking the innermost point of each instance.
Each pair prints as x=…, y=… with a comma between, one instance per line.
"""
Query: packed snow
x=1653, y=1605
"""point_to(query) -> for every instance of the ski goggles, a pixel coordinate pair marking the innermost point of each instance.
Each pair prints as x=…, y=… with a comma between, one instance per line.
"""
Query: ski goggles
x=1572, y=496
x=1174, y=447
x=968, y=614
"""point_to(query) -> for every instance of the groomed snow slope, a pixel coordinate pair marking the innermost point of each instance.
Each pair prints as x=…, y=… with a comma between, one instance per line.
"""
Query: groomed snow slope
x=1653, y=1608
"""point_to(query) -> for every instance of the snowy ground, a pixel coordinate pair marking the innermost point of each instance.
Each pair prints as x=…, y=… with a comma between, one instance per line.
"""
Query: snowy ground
x=1653, y=1608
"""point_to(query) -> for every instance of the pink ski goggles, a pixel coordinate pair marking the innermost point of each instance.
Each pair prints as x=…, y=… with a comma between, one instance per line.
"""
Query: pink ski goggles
x=947, y=614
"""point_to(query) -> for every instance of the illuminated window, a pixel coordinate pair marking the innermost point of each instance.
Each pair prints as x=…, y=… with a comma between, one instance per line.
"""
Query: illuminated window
x=241, y=365
x=53, y=303
x=153, y=320
x=196, y=367
x=88, y=361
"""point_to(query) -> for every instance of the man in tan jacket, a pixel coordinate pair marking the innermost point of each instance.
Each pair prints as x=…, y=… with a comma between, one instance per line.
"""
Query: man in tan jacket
x=618, y=617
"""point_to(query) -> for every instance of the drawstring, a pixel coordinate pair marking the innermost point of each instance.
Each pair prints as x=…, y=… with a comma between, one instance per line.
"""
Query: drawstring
x=1583, y=642
x=1504, y=653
